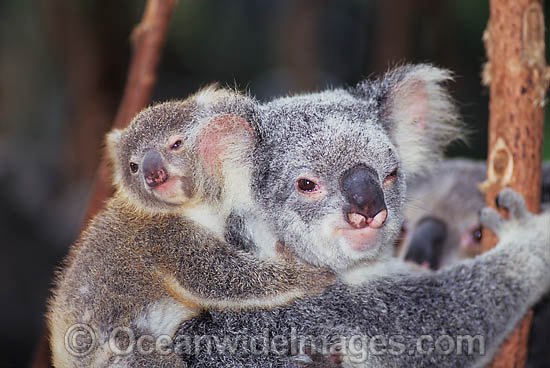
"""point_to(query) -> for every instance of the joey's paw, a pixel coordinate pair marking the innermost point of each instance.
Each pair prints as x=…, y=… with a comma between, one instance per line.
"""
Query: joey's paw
x=312, y=279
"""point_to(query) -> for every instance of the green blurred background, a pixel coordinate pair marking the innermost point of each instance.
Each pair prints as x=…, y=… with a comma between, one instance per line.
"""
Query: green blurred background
x=63, y=65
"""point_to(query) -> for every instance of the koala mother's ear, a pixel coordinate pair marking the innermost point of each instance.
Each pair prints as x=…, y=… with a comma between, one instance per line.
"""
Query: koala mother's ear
x=419, y=114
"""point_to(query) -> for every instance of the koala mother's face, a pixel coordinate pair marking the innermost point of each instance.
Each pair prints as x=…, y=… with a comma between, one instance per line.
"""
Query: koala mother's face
x=330, y=178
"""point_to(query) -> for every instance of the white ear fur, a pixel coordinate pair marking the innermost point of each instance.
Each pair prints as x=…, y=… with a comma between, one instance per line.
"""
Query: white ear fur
x=112, y=141
x=422, y=115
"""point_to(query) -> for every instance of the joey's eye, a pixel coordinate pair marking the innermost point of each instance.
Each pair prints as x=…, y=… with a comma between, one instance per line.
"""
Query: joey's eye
x=476, y=234
x=176, y=145
x=306, y=185
x=134, y=167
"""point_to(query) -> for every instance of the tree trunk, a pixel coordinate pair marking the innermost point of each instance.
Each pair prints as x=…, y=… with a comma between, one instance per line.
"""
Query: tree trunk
x=517, y=76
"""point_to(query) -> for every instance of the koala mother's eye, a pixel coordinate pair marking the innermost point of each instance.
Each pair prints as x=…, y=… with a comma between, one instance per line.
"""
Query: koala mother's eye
x=176, y=145
x=134, y=167
x=306, y=185
x=388, y=180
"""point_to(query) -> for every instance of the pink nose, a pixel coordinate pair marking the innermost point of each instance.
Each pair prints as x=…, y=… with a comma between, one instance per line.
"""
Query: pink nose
x=359, y=221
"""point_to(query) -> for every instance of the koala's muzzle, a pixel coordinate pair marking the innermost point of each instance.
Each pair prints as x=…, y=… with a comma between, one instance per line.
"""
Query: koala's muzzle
x=366, y=205
x=427, y=242
x=153, y=169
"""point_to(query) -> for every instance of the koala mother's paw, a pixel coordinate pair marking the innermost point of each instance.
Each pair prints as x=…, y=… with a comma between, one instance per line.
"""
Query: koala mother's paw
x=514, y=203
x=526, y=233
x=524, y=240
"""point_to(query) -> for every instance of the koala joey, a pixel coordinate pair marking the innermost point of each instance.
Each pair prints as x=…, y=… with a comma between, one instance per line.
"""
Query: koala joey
x=155, y=255
x=328, y=181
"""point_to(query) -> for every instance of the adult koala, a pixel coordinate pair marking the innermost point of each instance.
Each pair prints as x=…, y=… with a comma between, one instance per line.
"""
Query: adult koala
x=442, y=212
x=329, y=182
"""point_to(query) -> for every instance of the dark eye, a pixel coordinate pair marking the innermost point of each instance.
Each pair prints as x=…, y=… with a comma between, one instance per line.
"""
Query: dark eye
x=134, y=167
x=177, y=144
x=306, y=185
x=391, y=177
x=476, y=234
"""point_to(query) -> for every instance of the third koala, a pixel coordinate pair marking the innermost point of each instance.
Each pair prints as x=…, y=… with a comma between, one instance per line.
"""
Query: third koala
x=328, y=180
x=443, y=227
x=442, y=212
x=156, y=255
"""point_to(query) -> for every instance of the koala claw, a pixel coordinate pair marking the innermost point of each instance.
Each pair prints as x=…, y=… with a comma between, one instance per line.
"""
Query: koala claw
x=491, y=219
x=513, y=202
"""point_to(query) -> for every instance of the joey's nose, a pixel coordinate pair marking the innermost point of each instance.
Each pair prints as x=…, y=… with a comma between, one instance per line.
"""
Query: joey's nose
x=361, y=189
x=153, y=169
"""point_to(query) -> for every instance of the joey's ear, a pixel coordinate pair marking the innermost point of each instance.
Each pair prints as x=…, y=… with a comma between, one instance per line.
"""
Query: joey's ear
x=419, y=114
x=112, y=141
x=225, y=138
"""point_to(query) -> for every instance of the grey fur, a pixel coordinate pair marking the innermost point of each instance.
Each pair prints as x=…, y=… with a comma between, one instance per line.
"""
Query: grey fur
x=402, y=121
x=326, y=133
x=484, y=297
x=450, y=194
x=146, y=263
x=323, y=135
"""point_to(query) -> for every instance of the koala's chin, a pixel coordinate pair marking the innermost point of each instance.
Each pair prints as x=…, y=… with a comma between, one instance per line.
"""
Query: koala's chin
x=175, y=191
x=336, y=244
x=359, y=240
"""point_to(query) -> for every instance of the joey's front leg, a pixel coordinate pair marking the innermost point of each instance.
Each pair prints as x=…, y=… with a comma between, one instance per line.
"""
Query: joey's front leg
x=214, y=274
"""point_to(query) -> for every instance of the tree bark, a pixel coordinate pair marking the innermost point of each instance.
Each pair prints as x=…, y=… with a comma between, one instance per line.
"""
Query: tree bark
x=147, y=41
x=517, y=75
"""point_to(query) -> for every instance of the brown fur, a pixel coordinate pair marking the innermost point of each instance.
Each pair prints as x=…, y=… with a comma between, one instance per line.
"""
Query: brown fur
x=149, y=271
x=127, y=260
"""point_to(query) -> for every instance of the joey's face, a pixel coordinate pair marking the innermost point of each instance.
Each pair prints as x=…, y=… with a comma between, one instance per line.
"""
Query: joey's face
x=161, y=171
x=152, y=164
x=333, y=183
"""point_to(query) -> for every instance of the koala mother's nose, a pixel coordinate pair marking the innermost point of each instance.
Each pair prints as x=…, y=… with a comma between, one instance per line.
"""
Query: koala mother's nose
x=366, y=205
x=153, y=169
